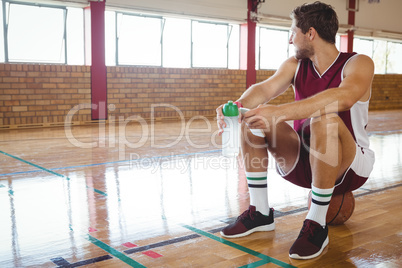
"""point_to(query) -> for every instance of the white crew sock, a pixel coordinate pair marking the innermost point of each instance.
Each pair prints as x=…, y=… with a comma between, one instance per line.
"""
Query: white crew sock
x=258, y=188
x=319, y=204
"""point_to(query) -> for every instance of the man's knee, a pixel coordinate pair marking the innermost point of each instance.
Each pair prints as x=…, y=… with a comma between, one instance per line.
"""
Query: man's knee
x=251, y=140
x=327, y=124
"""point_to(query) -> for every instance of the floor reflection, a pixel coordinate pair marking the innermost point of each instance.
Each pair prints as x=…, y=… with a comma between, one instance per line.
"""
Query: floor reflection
x=45, y=215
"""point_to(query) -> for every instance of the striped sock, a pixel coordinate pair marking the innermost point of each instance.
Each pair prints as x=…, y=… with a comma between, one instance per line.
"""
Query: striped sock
x=258, y=188
x=319, y=204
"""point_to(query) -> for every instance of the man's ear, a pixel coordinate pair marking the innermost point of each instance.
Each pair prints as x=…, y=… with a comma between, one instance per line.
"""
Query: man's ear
x=312, y=33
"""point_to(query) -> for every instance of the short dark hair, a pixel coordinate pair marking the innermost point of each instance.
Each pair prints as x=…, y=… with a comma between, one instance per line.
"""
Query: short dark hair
x=320, y=16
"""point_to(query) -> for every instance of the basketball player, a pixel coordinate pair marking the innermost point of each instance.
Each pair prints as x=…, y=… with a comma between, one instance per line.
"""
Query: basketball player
x=327, y=149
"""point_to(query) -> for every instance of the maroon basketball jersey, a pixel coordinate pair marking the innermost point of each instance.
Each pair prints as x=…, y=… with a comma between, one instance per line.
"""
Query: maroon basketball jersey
x=309, y=82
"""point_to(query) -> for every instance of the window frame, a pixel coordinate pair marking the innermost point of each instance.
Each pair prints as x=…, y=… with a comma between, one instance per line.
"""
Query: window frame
x=387, y=52
x=231, y=31
x=6, y=26
x=387, y=61
x=188, y=43
x=258, y=58
x=162, y=20
x=228, y=31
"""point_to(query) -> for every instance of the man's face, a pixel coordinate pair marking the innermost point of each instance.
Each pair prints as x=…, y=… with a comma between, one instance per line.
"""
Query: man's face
x=303, y=48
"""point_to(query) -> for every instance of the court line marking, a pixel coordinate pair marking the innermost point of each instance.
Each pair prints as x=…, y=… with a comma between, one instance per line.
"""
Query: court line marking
x=50, y=171
x=61, y=262
x=124, y=258
x=158, y=157
x=107, y=163
x=34, y=165
x=161, y=244
x=368, y=191
x=265, y=258
x=278, y=214
x=114, y=252
x=122, y=161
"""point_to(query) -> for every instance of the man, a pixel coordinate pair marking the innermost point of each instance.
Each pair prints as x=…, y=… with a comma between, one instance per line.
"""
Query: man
x=327, y=150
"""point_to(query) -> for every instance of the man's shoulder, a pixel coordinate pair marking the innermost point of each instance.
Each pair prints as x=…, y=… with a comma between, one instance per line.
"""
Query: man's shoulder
x=359, y=64
x=355, y=58
x=289, y=65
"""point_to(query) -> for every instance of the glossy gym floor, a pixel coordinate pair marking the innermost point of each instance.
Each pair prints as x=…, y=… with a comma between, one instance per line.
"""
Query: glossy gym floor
x=157, y=195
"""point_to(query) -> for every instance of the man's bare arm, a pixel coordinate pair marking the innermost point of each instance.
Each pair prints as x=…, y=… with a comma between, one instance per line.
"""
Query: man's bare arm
x=356, y=86
x=274, y=86
x=263, y=92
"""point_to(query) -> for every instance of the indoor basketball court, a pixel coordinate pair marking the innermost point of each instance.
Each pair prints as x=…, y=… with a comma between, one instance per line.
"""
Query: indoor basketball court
x=69, y=207
x=121, y=165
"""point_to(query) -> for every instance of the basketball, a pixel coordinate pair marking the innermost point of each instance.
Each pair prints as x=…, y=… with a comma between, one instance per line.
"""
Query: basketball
x=340, y=209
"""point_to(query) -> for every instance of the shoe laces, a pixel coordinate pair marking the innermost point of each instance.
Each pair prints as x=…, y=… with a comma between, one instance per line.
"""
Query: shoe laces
x=249, y=213
x=309, y=227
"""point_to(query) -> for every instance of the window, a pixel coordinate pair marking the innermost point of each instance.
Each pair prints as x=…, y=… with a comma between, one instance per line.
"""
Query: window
x=55, y=34
x=380, y=56
x=273, y=48
x=139, y=40
x=41, y=33
x=110, y=38
x=2, y=59
x=170, y=42
x=338, y=42
x=176, y=43
x=75, y=36
x=385, y=54
x=35, y=33
x=234, y=46
x=363, y=46
x=394, y=56
x=292, y=50
x=209, y=44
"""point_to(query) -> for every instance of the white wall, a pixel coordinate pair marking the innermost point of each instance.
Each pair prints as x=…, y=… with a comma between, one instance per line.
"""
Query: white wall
x=235, y=10
x=370, y=19
x=385, y=15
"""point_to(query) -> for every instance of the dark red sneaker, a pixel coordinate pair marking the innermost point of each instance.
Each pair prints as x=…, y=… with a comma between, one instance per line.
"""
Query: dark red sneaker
x=312, y=240
x=248, y=222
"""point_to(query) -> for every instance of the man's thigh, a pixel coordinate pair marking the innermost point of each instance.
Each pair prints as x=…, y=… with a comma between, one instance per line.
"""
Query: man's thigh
x=280, y=140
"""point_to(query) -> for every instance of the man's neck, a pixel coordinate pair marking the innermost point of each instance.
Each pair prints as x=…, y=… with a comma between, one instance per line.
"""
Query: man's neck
x=323, y=58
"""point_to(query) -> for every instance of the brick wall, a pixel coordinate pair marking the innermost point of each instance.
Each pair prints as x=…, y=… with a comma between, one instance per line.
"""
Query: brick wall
x=133, y=90
x=286, y=97
x=42, y=95
x=34, y=95
x=387, y=92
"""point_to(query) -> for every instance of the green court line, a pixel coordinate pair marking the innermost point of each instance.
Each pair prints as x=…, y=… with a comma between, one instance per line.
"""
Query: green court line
x=264, y=258
x=11, y=192
x=97, y=191
x=32, y=164
x=49, y=171
x=114, y=252
x=254, y=264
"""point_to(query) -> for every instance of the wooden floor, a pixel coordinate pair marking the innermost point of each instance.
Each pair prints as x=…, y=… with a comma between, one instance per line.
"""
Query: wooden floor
x=156, y=195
